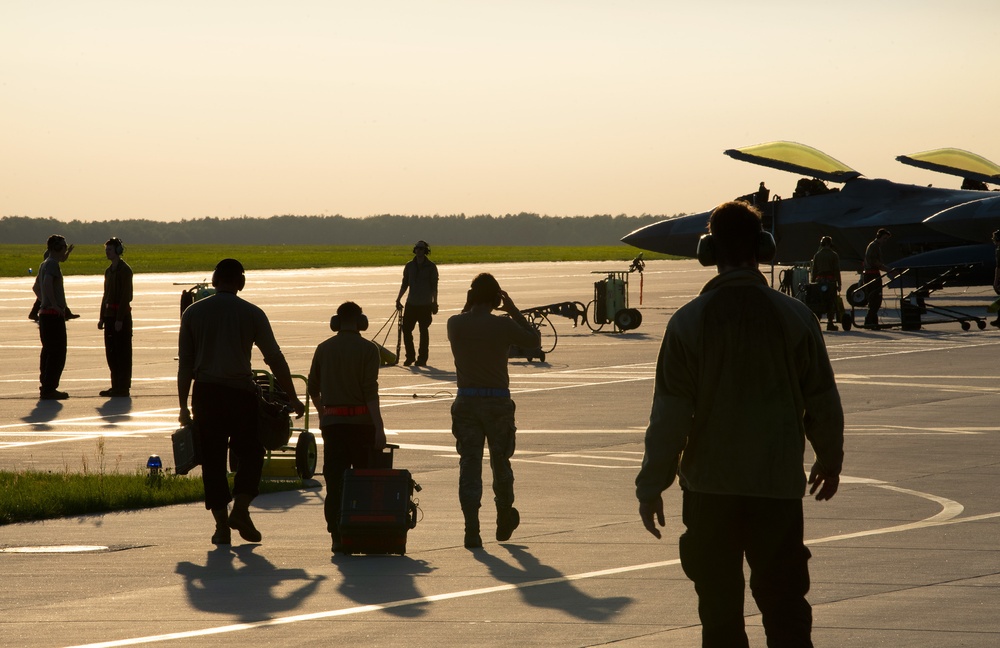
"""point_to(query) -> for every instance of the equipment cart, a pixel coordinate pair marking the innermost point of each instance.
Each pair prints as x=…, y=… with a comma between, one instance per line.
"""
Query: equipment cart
x=297, y=459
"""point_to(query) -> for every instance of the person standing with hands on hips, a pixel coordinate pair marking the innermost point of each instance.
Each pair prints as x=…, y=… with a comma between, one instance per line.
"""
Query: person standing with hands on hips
x=116, y=319
x=483, y=411
x=420, y=277
x=742, y=381
x=216, y=338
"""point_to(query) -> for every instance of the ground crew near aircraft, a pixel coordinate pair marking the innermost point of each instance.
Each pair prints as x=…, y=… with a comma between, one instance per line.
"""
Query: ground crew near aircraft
x=734, y=400
x=996, y=273
x=343, y=383
x=52, y=316
x=116, y=319
x=825, y=271
x=420, y=277
x=483, y=411
x=217, y=335
x=871, y=275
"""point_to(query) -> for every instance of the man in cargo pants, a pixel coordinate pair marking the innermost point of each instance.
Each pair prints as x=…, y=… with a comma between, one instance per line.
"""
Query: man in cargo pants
x=483, y=411
x=742, y=380
x=343, y=382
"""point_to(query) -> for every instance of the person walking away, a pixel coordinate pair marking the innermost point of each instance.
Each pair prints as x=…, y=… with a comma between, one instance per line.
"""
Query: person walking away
x=116, y=319
x=420, y=277
x=825, y=271
x=52, y=316
x=483, y=411
x=343, y=383
x=742, y=381
x=871, y=274
x=217, y=335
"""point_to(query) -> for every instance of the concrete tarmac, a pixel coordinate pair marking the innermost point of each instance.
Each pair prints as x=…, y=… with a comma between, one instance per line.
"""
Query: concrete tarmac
x=906, y=554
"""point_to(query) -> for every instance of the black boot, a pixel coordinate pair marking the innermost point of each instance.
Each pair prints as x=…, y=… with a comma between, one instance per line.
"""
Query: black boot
x=222, y=536
x=507, y=521
x=472, y=539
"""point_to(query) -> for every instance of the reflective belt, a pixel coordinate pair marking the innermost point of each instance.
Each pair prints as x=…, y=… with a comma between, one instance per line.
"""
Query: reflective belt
x=485, y=392
x=345, y=410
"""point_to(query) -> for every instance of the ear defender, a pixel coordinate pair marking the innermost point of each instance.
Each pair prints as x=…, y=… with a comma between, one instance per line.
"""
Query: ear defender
x=119, y=247
x=362, y=321
x=766, y=249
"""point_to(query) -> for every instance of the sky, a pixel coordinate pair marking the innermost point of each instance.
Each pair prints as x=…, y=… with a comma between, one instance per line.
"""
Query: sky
x=182, y=109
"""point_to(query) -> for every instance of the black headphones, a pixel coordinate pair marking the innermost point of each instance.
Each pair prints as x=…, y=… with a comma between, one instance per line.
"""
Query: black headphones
x=361, y=319
x=766, y=249
x=119, y=246
x=422, y=245
x=231, y=266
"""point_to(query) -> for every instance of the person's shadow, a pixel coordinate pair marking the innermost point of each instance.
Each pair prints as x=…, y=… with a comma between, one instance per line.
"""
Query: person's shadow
x=42, y=414
x=115, y=411
x=378, y=580
x=235, y=581
x=560, y=594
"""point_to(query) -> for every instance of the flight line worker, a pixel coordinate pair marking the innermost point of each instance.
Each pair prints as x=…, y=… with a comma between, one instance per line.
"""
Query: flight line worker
x=871, y=274
x=343, y=382
x=483, y=411
x=825, y=271
x=217, y=335
x=52, y=316
x=420, y=277
x=734, y=399
x=116, y=319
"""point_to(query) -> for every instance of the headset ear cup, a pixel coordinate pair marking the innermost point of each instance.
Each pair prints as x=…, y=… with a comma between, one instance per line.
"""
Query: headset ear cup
x=766, y=247
x=706, y=250
x=335, y=323
x=362, y=322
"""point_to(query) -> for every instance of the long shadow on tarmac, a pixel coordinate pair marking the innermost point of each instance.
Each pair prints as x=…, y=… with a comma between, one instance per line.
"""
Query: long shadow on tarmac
x=373, y=580
x=560, y=595
x=234, y=581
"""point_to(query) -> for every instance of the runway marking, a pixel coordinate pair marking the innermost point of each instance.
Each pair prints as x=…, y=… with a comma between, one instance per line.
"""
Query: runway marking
x=947, y=516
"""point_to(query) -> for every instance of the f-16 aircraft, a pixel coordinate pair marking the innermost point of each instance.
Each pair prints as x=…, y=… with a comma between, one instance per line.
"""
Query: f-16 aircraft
x=934, y=230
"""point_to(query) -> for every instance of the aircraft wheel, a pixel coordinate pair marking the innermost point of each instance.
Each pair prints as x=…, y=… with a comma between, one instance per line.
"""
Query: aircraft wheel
x=856, y=297
x=981, y=324
x=966, y=326
x=847, y=321
x=306, y=454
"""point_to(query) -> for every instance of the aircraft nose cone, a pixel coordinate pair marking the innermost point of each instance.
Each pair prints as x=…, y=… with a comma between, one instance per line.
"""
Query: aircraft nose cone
x=677, y=235
x=973, y=221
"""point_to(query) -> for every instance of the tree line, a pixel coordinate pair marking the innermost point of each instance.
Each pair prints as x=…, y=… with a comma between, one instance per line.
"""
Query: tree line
x=509, y=229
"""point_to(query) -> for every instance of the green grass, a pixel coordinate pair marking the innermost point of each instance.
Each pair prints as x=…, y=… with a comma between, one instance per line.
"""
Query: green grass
x=30, y=495
x=15, y=260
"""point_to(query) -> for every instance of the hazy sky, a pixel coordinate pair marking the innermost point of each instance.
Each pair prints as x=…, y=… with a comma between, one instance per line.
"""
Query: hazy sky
x=171, y=109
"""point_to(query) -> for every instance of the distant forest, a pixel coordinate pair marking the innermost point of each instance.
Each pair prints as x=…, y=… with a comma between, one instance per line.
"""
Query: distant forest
x=509, y=229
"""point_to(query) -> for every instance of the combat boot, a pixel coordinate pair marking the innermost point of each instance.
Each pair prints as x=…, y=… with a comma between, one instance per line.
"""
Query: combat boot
x=240, y=520
x=507, y=521
x=222, y=536
x=472, y=538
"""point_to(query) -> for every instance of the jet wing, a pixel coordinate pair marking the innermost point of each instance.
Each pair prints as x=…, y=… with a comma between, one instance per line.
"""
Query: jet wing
x=955, y=162
x=796, y=158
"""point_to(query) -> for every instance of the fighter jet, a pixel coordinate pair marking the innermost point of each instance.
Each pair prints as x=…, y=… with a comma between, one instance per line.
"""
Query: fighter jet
x=934, y=230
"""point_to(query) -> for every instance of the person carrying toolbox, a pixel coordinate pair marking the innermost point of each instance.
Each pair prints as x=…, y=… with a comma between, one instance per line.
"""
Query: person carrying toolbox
x=343, y=383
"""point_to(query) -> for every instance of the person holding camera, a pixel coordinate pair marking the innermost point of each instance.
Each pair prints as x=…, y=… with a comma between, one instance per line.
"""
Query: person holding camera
x=420, y=277
x=217, y=336
x=742, y=381
x=116, y=319
x=483, y=411
x=343, y=383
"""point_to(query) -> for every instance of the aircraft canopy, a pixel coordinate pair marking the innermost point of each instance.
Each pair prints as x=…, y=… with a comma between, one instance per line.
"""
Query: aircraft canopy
x=955, y=162
x=797, y=158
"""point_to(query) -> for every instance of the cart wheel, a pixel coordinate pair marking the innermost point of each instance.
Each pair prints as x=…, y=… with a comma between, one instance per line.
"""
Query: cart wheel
x=966, y=326
x=981, y=324
x=625, y=319
x=588, y=317
x=541, y=357
x=847, y=321
x=638, y=317
x=305, y=454
x=856, y=297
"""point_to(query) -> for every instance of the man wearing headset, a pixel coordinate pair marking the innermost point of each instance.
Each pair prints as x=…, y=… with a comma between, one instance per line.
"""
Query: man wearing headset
x=52, y=315
x=420, y=277
x=116, y=319
x=343, y=383
x=483, y=412
x=216, y=338
x=825, y=271
x=742, y=380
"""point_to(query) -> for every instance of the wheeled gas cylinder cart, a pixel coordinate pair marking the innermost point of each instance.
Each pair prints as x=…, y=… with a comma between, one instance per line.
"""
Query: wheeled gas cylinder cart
x=297, y=459
x=610, y=304
x=194, y=293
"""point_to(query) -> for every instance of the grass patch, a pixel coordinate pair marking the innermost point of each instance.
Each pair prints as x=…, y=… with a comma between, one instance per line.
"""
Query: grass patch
x=15, y=260
x=33, y=495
